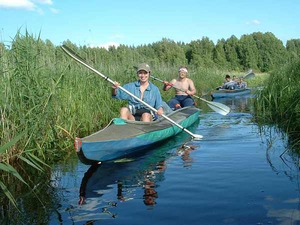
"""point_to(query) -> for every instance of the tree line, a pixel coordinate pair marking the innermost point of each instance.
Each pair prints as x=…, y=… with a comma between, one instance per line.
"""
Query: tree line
x=259, y=51
x=262, y=52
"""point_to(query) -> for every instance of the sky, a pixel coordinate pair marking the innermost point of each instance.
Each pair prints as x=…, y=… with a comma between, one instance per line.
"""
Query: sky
x=133, y=22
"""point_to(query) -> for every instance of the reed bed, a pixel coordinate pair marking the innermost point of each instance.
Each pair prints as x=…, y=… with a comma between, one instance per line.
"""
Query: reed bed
x=279, y=101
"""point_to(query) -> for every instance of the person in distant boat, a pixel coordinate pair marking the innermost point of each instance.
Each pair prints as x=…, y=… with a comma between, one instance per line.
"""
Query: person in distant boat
x=184, y=90
x=242, y=83
x=226, y=80
x=143, y=89
x=229, y=83
x=235, y=79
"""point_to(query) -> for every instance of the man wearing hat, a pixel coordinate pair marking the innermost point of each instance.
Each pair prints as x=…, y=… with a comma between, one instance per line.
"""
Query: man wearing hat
x=143, y=89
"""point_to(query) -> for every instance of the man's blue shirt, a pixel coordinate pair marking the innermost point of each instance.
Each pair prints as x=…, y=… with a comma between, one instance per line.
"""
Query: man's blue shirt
x=151, y=95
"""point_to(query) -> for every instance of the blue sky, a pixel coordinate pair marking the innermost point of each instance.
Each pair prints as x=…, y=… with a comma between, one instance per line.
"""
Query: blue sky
x=134, y=22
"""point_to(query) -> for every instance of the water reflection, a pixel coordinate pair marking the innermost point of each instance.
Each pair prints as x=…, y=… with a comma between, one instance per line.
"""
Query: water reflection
x=105, y=186
x=288, y=155
x=283, y=160
x=184, y=151
x=238, y=103
x=119, y=177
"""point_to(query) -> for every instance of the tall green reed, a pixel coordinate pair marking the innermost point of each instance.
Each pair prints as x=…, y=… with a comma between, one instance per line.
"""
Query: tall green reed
x=279, y=101
x=51, y=97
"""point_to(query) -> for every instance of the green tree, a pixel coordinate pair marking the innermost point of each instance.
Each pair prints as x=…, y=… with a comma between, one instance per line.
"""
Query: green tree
x=169, y=52
x=293, y=48
x=219, y=55
x=271, y=51
x=231, y=52
x=200, y=52
x=248, y=52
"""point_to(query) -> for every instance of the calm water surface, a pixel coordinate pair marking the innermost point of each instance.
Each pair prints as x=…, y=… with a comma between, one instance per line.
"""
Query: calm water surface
x=235, y=175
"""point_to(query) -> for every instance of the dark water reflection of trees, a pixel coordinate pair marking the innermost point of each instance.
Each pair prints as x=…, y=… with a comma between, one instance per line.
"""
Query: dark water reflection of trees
x=289, y=156
x=35, y=201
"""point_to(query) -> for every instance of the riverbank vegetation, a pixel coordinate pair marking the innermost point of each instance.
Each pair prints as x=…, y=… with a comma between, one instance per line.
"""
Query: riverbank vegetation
x=278, y=103
x=47, y=99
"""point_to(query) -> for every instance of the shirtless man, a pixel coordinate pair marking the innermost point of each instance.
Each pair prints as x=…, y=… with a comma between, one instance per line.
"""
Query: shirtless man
x=184, y=89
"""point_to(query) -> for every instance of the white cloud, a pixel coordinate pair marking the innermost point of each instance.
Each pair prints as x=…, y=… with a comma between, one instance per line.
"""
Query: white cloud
x=17, y=4
x=30, y=5
x=256, y=22
x=253, y=22
x=46, y=2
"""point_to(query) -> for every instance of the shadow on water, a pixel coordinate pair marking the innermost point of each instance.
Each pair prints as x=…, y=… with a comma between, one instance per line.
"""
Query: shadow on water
x=105, y=186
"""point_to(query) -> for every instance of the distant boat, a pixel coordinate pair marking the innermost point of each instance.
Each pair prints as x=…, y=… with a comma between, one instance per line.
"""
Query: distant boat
x=227, y=93
x=122, y=137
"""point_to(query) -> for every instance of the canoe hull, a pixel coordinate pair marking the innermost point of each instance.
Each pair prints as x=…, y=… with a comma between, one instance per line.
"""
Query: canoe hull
x=224, y=93
x=119, y=140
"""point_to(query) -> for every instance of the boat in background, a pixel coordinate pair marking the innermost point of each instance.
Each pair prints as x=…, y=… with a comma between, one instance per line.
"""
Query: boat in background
x=122, y=137
x=227, y=93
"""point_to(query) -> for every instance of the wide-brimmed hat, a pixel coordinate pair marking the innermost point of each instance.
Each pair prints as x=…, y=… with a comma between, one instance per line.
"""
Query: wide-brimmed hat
x=143, y=66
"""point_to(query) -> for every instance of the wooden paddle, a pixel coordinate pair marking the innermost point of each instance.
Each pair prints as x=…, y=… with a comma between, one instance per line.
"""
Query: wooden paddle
x=78, y=59
x=216, y=106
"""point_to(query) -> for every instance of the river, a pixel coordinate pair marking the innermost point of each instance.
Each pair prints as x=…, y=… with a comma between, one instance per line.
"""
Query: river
x=238, y=174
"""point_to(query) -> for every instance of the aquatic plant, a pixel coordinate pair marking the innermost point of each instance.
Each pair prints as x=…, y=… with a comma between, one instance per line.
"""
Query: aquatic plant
x=279, y=100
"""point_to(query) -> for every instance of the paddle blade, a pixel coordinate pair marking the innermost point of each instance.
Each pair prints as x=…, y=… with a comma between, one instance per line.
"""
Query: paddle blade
x=219, y=108
x=249, y=75
x=197, y=137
